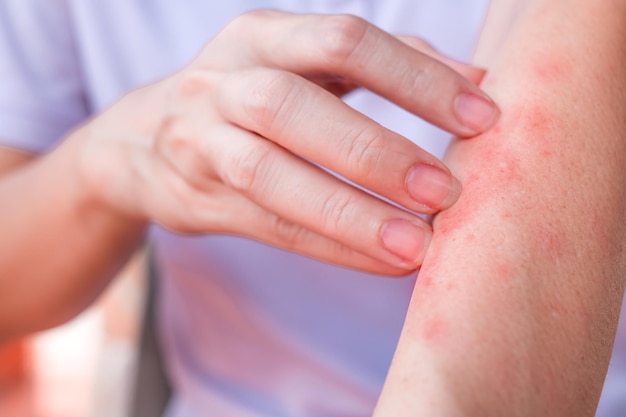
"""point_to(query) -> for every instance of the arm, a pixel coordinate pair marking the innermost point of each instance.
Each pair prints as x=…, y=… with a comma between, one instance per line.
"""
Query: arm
x=58, y=248
x=515, y=308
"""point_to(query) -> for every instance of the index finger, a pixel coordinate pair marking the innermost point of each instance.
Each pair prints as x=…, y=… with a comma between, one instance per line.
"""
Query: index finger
x=351, y=48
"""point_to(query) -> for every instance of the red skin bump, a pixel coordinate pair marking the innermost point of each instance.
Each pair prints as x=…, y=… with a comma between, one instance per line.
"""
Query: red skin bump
x=497, y=130
x=505, y=271
x=508, y=169
x=425, y=276
x=551, y=69
x=434, y=330
x=538, y=120
x=451, y=221
x=431, y=263
x=427, y=285
x=424, y=280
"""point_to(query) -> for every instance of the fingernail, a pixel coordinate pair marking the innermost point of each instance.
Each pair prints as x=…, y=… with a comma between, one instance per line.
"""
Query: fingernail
x=475, y=112
x=432, y=186
x=406, y=240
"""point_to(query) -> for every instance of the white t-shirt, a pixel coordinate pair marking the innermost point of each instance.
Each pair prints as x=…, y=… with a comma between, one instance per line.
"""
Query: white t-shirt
x=248, y=330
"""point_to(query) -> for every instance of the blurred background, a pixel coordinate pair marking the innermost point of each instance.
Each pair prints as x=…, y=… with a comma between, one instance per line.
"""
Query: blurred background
x=86, y=368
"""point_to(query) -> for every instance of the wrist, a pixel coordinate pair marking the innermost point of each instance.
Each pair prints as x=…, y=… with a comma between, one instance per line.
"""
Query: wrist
x=108, y=153
x=87, y=182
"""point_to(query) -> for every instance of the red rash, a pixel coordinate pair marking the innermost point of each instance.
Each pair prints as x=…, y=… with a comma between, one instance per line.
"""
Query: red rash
x=496, y=170
x=494, y=163
x=551, y=69
x=434, y=330
x=538, y=121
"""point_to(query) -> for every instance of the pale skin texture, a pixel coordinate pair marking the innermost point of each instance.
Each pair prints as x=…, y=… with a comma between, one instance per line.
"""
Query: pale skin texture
x=515, y=308
x=212, y=148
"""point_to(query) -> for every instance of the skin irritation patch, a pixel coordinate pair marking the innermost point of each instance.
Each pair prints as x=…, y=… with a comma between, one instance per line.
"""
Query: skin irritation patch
x=538, y=122
x=502, y=169
x=550, y=69
x=434, y=330
x=496, y=163
x=495, y=170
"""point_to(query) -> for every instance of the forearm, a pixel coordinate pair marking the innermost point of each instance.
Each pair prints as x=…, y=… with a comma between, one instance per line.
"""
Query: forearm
x=58, y=249
x=516, y=305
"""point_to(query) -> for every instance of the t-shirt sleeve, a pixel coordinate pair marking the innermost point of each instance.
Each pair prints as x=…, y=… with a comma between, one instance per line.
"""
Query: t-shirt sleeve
x=41, y=93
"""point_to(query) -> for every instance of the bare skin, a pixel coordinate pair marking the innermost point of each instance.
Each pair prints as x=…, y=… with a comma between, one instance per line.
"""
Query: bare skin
x=212, y=149
x=515, y=309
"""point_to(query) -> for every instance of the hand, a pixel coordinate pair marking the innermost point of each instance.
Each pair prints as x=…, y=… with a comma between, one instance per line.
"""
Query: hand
x=230, y=143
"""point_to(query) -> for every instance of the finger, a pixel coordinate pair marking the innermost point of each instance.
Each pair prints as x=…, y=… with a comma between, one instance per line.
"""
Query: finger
x=316, y=125
x=282, y=233
x=348, y=46
x=301, y=193
x=472, y=73
x=182, y=207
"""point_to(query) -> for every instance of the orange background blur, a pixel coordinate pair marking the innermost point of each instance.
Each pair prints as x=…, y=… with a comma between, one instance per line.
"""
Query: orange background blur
x=84, y=368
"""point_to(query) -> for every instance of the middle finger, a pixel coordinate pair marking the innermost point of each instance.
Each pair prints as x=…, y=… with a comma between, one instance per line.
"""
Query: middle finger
x=313, y=123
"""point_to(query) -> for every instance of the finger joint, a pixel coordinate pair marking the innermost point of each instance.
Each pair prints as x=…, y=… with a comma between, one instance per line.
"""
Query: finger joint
x=338, y=210
x=341, y=36
x=249, y=167
x=364, y=150
x=269, y=100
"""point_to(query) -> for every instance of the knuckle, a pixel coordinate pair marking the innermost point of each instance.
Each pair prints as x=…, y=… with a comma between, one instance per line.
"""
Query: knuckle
x=247, y=27
x=179, y=145
x=248, y=168
x=364, y=150
x=177, y=133
x=271, y=93
x=337, y=210
x=341, y=36
x=192, y=83
x=174, y=139
x=249, y=19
